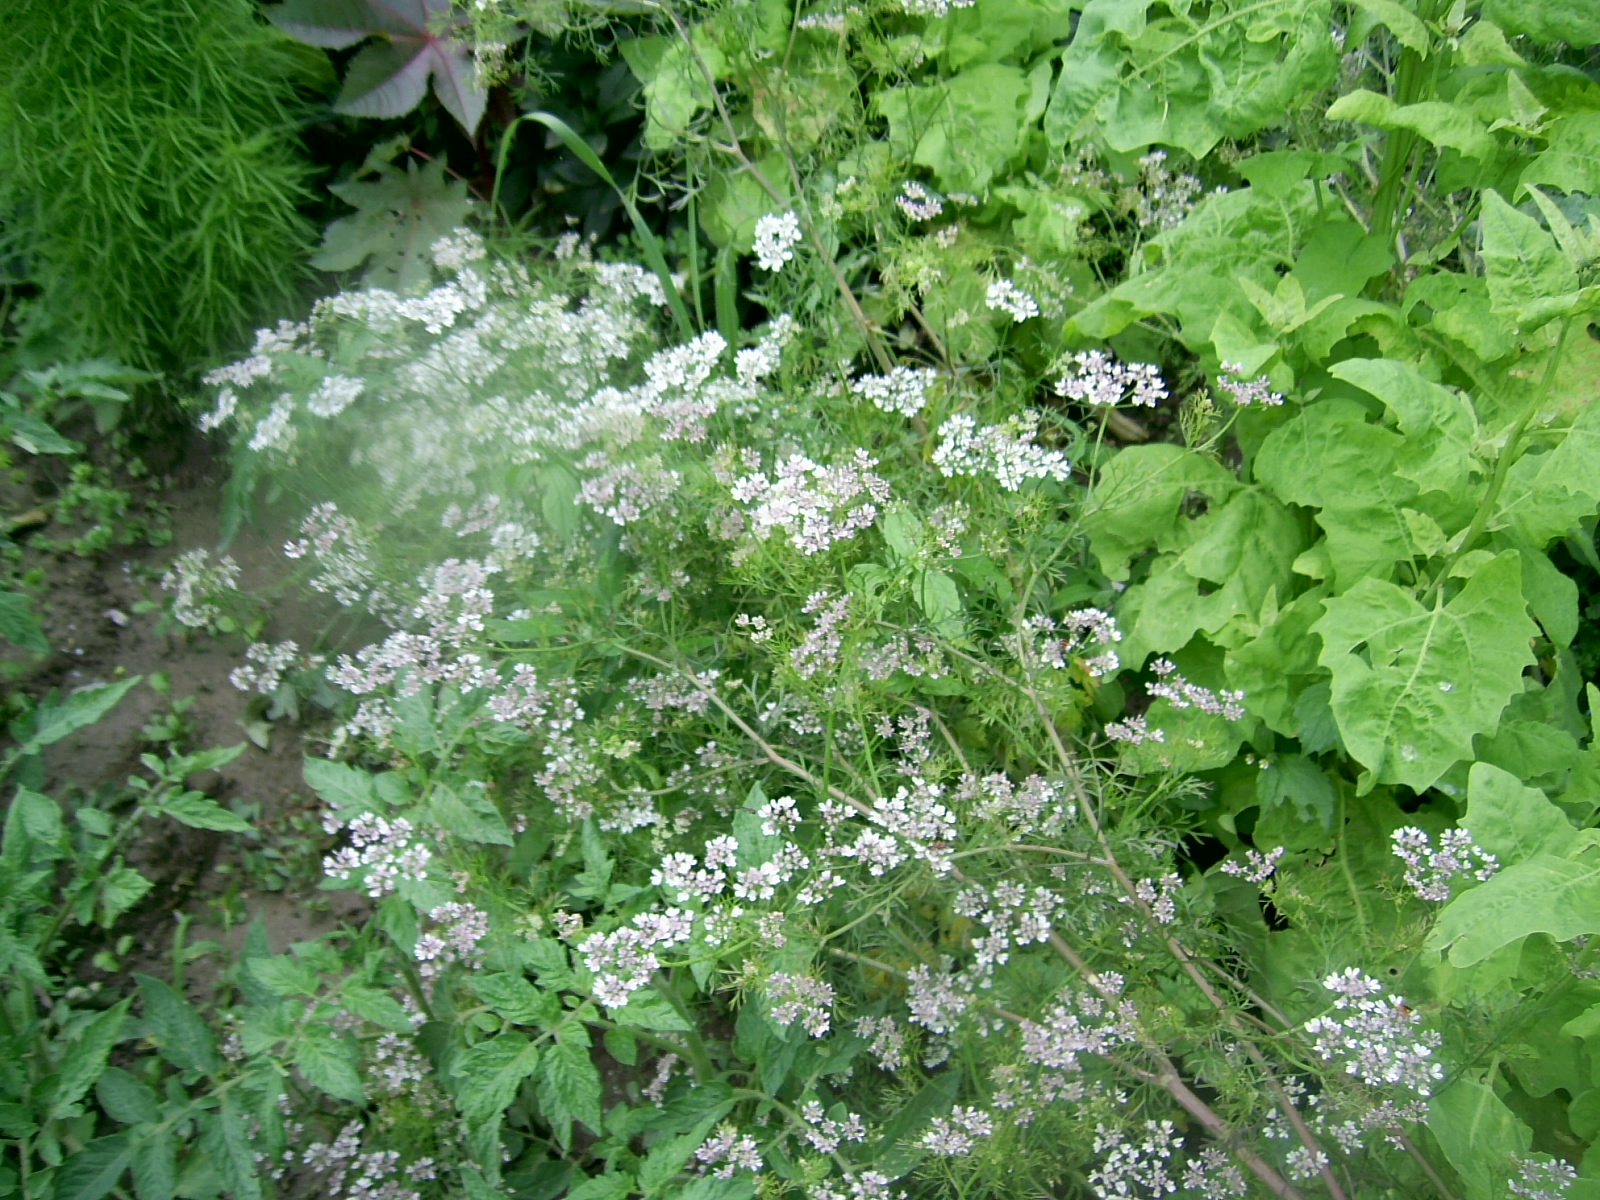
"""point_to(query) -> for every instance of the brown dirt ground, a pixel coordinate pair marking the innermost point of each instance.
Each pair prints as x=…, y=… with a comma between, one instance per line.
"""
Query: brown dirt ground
x=88, y=613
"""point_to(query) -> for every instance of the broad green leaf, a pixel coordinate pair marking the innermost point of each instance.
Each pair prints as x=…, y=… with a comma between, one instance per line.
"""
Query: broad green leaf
x=669, y=1157
x=329, y=1062
x=965, y=129
x=283, y=975
x=646, y=1010
x=1571, y=158
x=1511, y=821
x=1548, y=492
x=549, y=961
x=81, y=708
x=37, y=818
x=1444, y=125
x=1543, y=894
x=1243, y=552
x=398, y=218
x=227, y=1146
x=603, y=1187
x=1576, y=22
x=1479, y=1134
x=85, y=1058
x=1295, y=779
x=125, y=1098
x=1408, y=28
x=94, y=1170
x=1412, y=686
x=347, y=789
x=1332, y=458
x=569, y=1087
x=940, y=601
x=1145, y=498
x=469, y=815
x=1275, y=668
x=1459, y=308
x=1438, y=421
x=200, y=812
x=120, y=890
x=375, y=1006
x=155, y=1167
x=490, y=1073
x=1526, y=270
x=19, y=626
x=512, y=996
x=390, y=76
x=179, y=1032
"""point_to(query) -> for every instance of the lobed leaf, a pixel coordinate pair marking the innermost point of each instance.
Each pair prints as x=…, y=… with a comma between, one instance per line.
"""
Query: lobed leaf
x=1412, y=686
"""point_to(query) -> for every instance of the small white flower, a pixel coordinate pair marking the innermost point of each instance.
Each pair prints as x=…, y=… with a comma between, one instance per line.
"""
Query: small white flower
x=777, y=234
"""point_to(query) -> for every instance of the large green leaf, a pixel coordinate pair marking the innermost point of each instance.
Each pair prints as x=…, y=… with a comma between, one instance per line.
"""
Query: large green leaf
x=1332, y=458
x=1147, y=498
x=85, y=1058
x=569, y=1086
x=1549, y=490
x=1447, y=126
x=1543, y=894
x=227, y=1144
x=1571, y=158
x=94, y=1170
x=19, y=626
x=490, y=1073
x=1440, y=423
x=469, y=815
x=1479, y=1134
x=330, y=1063
x=1511, y=821
x=966, y=129
x=399, y=216
x=1244, y=552
x=1529, y=276
x=1576, y=22
x=178, y=1030
x=55, y=721
x=201, y=812
x=1413, y=686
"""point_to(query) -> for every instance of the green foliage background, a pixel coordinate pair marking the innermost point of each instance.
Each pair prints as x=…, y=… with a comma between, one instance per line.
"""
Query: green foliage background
x=150, y=174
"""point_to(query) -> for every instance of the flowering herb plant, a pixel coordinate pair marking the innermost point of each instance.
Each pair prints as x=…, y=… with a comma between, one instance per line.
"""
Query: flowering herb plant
x=1078, y=699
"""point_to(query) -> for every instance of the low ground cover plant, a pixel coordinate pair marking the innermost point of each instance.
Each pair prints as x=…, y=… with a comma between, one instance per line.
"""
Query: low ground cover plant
x=1045, y=662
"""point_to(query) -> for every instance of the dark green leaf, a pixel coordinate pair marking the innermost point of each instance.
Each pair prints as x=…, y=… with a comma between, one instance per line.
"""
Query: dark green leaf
x=95, y=1169
x=490, y=1073
x=197, y=812
x=226, y=1142
x=179, y=1032
x=85, y=1058
x=569, y=1088
x=19, y=626
x=125, y=1098
x=56, y=721
x=155, y=1167
x=329, y=1062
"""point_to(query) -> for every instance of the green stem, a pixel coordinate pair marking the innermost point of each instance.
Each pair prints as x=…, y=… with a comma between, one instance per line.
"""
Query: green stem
x=1502, y=467
x=1400, y=145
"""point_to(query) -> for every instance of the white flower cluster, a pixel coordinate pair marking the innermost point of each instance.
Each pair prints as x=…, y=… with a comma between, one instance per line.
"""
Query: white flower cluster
x=958, y=1133
x=1136, y=1166
x=1084, y=636
x=918, y=202
x=624, y=960
x=1095, y=378
x=933, y=8
x=903, y=390
x=1005, y=296
x=388, y=851
x=1376, y=1038
x=1429, y=872
x=777, y=234
x=264, y=667
x=1257, y=867
x=1246, y=392
x=816, y=506
x=195, y=582
x=464, y=926
x=1008, y=452
x=801, y=998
